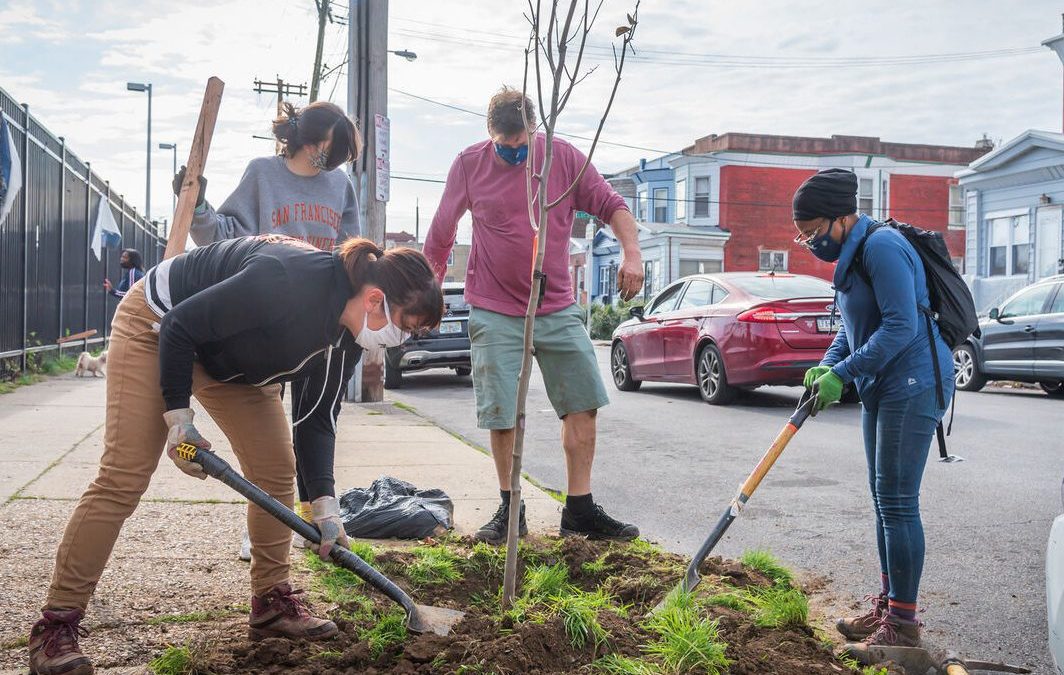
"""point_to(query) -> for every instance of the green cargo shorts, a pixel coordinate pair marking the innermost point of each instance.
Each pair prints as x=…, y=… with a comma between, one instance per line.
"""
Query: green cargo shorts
x=566, y=360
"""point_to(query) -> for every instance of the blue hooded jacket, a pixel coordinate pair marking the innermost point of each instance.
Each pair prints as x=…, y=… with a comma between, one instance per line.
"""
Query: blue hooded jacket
x=882, y=345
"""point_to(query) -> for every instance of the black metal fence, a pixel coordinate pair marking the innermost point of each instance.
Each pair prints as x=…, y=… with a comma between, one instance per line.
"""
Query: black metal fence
x=51, y=284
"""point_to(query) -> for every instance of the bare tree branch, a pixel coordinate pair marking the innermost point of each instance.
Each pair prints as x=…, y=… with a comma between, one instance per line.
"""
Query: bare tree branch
x=609, y=104
x=573, y=81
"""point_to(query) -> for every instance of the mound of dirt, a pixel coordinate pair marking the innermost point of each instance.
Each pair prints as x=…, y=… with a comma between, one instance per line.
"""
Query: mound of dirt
x=636, y=577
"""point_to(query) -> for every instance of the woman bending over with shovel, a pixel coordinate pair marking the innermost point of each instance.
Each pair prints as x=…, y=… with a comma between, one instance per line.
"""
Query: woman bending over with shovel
x=227, y=323
x=303, y=192
x=884, y=349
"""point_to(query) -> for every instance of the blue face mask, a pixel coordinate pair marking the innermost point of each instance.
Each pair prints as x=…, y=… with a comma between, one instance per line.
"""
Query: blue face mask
x=824, y=247
x=513, y=156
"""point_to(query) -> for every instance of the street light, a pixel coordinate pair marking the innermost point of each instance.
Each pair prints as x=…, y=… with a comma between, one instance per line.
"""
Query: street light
x=137, y=86
x=408, y=55
x=171, y=146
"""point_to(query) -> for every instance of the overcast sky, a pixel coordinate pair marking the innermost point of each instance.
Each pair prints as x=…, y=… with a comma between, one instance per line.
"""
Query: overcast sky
x=773, y=66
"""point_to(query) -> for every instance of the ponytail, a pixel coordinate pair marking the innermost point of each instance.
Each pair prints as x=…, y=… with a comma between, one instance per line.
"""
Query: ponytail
x=403, y=274
x=311, y=125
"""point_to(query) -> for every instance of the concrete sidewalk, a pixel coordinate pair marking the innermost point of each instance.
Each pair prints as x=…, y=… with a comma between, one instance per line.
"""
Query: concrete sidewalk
x=177, y=553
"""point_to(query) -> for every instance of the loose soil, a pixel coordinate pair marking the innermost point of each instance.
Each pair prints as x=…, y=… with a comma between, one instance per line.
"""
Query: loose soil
x=487, y=642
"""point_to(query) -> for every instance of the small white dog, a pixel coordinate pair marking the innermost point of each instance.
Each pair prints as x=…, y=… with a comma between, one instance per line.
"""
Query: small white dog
x=87, y=363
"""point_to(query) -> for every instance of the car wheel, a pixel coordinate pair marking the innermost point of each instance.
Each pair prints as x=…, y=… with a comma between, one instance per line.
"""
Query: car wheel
x=1053, y=389
x=393, y=377
x=850, y=395
x=966, y=373
x=462, y=372
x=712, y=380
x=622, y=372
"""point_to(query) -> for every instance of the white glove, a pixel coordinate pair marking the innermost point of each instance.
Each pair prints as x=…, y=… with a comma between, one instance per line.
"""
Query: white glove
x=182, y=430
x=325, y=512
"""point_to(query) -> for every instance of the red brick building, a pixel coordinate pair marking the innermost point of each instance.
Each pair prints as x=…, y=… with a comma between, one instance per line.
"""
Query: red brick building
x=742, y=185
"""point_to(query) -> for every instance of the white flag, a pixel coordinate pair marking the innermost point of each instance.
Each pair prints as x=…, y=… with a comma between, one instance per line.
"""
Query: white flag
x=10, y=170
x=106, y=232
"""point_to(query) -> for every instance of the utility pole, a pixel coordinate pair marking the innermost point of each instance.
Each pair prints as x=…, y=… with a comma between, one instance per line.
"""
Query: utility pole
x=324, y=14
x=1057, y=44
x=282, y=89
x=367, y=102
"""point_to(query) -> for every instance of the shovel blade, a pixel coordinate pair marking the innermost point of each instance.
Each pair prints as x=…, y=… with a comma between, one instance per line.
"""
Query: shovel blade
x=428, y=619
x=950, y=459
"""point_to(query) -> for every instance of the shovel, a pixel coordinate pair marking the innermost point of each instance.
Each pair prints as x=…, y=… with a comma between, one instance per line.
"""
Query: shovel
x=921, y=661
x=419, y=618
x=801, y=414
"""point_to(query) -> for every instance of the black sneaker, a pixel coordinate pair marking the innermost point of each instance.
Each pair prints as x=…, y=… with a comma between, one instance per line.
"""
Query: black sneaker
x=596, y=525
x=494, y=531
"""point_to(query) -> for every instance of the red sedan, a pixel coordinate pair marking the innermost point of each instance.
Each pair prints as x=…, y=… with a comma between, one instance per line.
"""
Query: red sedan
x=724, y=332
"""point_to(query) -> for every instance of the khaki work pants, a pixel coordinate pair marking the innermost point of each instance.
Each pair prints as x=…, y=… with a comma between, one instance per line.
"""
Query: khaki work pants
x=252, y=418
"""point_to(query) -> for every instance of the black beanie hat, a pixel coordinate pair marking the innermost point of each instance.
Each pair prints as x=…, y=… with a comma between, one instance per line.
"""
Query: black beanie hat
x=830, y=193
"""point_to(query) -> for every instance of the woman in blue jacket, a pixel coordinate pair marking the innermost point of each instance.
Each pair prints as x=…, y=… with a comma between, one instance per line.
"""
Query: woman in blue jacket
x=882, y=348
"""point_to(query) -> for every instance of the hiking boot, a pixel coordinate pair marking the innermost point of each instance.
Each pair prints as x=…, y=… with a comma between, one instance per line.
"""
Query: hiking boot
x=596, y=524
x=280, y=613
x=494, y=531
x=893, y=631
x=857, y=628
x=53, y=644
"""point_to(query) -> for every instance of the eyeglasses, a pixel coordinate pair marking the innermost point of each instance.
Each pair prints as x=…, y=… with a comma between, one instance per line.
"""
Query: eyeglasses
x=805, y=239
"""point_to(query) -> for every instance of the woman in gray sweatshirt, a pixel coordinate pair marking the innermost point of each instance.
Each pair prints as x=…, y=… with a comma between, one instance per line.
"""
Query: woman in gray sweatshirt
x=304, y=193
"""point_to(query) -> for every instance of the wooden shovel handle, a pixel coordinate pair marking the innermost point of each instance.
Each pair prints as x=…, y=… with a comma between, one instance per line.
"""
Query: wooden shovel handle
x=197, y=158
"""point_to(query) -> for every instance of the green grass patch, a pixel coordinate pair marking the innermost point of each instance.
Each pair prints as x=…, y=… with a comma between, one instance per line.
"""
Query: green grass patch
x=767, y=564
x=732, y=599
x=173, y=661
x=644, y=548
x=15, y=643
x=337, y=584
x=433, y=565
x=779, y=607
x=579, y=614
x=596, y=566
x=404, y=406
x=374, y=412
x=615, y=664
x=327, y=655
x=685, y=641
x=387, y=632
x=546, y=581
x=486, y=559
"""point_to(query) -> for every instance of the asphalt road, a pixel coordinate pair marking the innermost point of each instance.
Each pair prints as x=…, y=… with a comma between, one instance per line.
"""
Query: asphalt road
x=670, y=463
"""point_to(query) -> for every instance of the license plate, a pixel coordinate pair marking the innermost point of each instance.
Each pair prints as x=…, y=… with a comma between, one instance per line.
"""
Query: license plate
x=450, y=327
x=827, y=325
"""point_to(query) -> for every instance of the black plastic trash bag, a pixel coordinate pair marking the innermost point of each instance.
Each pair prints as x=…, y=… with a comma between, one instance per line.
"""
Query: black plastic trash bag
x=393, y=508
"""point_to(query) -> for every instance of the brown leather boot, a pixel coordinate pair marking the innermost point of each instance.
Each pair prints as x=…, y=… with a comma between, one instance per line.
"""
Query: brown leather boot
x=53, y=644
x=894, y=631
x=280, y=613
x=857, y=628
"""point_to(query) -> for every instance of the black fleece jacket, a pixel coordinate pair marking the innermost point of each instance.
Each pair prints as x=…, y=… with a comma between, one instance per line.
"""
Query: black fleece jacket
x=261, y=310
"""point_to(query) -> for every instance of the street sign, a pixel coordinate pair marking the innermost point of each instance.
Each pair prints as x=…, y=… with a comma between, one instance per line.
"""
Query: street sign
x=382, y=156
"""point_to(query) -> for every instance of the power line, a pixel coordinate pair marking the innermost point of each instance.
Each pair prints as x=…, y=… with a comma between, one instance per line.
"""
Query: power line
x=676, y=153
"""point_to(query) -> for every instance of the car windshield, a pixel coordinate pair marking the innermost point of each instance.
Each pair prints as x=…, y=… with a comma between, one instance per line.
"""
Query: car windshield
x=778, y=287
x=454, y=299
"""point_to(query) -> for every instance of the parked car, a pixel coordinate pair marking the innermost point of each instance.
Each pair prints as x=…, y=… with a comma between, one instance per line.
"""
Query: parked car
x=447, y=346
x=728, y=331
x=1055, y=588
x=1021, y=340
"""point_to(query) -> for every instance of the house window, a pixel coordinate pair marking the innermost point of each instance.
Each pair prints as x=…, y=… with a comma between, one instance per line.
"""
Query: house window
x=450, y=258
x=606, y=280
x=958, y=263
x=956, y=207
x=661, y=205
x=1010, y=245
x=772, y=261
x=864, y=196
x=641, y=206
x=689, y=267
x=650, y=277
x=702, y=197
x=681, y=199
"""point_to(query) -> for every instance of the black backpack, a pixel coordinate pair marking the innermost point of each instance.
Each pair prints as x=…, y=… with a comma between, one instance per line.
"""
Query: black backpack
x=951, y=304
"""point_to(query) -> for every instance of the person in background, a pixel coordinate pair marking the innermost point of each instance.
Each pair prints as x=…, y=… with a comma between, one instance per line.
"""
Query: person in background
x=132, y=264
x=488, y=180
x=303, y=193
x=883, y=348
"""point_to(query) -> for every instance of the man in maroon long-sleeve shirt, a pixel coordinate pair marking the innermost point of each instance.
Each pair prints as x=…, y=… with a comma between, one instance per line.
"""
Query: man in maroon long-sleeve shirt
x=488, y=179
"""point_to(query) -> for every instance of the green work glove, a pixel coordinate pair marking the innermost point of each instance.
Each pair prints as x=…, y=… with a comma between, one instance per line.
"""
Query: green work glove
x=812, y=374
x=828, y=390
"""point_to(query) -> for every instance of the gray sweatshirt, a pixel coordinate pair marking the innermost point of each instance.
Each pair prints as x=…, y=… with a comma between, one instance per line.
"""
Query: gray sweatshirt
x=321, y=210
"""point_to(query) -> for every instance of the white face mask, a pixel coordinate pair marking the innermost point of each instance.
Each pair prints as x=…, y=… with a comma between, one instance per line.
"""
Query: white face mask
x=382, y=338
